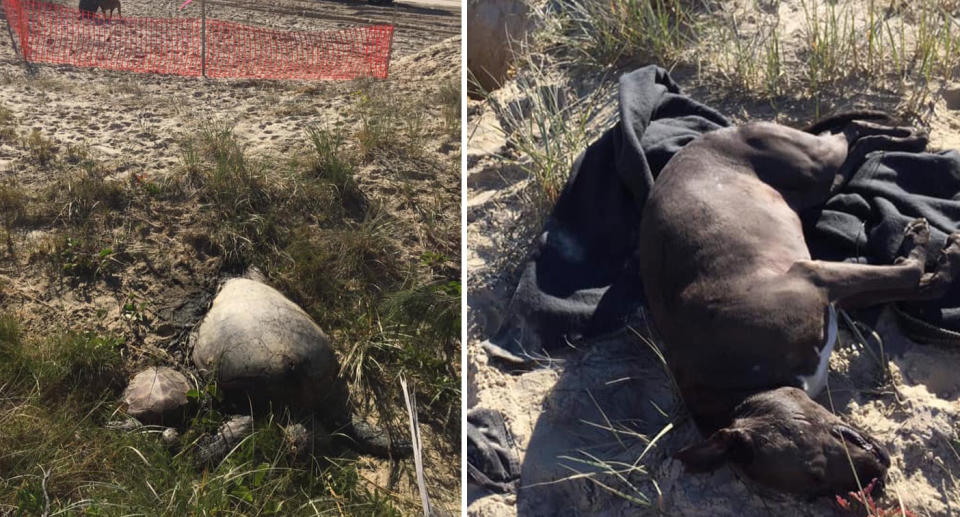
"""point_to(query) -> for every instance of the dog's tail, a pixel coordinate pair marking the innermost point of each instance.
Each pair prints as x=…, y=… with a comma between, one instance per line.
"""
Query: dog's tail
x=842, y=119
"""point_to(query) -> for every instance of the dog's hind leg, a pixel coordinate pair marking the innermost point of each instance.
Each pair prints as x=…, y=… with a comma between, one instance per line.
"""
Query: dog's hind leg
x=843, y=281
x=933, y=284
x=849, y=283
x=862, y=285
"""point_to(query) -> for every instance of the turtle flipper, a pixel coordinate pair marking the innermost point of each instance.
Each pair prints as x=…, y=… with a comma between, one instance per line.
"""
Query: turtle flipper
x=215, y=448
x=375, y=441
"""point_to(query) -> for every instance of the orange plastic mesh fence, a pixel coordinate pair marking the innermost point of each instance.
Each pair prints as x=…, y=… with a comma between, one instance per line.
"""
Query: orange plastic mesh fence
x=51, y=33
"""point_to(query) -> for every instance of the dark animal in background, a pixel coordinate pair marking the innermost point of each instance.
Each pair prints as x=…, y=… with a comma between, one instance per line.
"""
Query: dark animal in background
x=110, y=5
x=88, y=8
x=748, y=318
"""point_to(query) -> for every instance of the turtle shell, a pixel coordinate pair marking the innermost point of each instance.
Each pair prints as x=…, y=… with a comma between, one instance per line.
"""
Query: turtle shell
x=263, y=348
x=156, y=395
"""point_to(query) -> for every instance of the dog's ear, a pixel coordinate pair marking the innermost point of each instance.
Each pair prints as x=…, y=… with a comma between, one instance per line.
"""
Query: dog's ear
x=722, y=446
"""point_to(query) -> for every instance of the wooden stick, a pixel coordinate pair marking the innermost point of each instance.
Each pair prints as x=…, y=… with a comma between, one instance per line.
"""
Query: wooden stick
x=13, y=40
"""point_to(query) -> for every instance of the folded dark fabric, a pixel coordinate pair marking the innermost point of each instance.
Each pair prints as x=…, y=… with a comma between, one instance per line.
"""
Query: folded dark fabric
x=491, y=452
x=864, y=223
x=582, y=278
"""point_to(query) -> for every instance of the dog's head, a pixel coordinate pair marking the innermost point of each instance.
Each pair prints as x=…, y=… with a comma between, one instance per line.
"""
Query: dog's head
x=785, y=441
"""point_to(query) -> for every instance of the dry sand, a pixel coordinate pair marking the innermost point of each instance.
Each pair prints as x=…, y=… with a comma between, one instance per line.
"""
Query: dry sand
x=556, y=412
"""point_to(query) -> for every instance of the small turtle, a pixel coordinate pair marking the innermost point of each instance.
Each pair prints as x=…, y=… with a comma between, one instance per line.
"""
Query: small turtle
x=265, y=351
x=156, y=395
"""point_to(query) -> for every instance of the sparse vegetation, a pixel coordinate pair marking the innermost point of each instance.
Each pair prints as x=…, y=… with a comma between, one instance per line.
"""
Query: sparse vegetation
x=823, y=52
x=41, y=149
x=907, y=47
x=314, y=232
x=549, y=128
x=85, y=258
x=8, y=132
x=609, y=33
x=358, y=223
x=84, y=192
x=383, y=118
x=332, y=166
x=56, y=395
x=895, y=44
x=13, y=203
x=451, y=102
x=244, y=198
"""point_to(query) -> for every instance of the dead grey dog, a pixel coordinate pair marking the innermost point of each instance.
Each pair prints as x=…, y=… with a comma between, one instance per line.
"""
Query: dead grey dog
x=748, y=318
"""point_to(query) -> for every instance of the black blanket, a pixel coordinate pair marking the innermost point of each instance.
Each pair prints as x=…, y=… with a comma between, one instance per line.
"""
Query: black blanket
x=492, y=460
x=582, y=280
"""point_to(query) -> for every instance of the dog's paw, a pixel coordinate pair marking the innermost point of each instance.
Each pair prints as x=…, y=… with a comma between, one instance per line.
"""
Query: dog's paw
x=953, y=243
x=916, y=239
x=949, y=259
x=936, y=283
x=918, y=226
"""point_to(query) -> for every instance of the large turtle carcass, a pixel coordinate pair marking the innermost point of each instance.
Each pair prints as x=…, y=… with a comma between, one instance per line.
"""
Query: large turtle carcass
x=262, y=346
x=266, y=351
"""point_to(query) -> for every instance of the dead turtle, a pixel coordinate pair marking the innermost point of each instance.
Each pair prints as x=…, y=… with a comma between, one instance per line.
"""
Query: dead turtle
x=261, y=345
x=157, y=395
x=265, y=352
